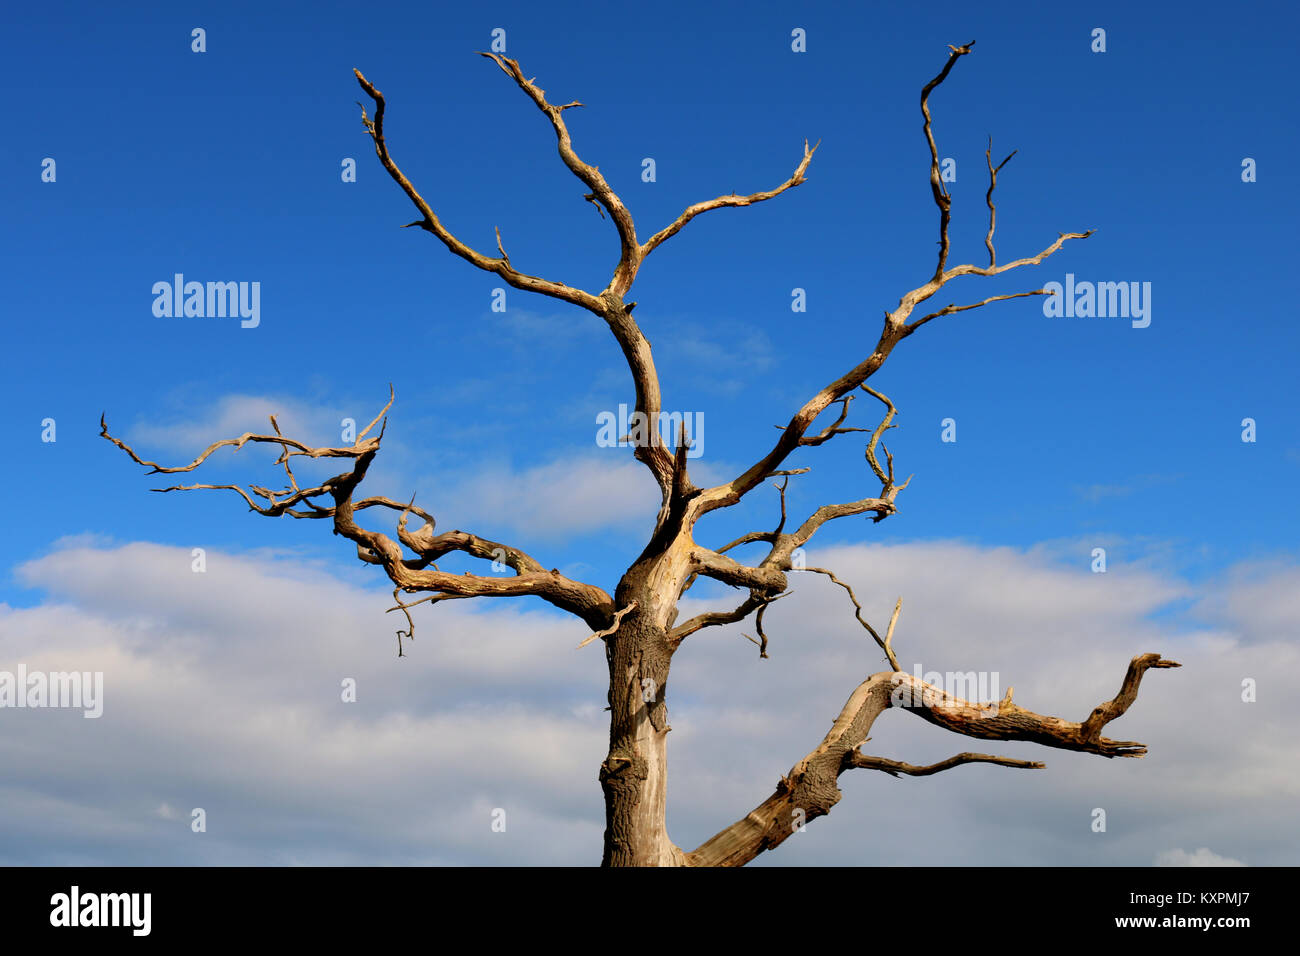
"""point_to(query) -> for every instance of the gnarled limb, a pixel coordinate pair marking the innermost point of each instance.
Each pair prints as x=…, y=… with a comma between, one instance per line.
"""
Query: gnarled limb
x=783, y=544
x=608, y=304
x=792, y=434
x=809, y=790
x=430, y=222
x=531, y=578
x=711, y=564
x=630, y=258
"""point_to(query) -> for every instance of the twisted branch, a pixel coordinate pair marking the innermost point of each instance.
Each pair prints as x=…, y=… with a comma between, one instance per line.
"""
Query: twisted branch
x=410, y=574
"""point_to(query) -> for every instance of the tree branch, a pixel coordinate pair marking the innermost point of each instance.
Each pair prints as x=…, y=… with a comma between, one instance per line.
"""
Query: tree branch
x=722, y=202
x=988, y=197
x=939, y=191
x=711, y=564
x=430, y=222
x=606, y=632
x=887, y=642
x=809, y=790
x=895, y=325
x=783, y=544
x=608, y=304
x=630, y=257
x=757, y=601
x=531, y=578
x=758, y=626
x=835, y=428
x=861, y=761
x=953, y=307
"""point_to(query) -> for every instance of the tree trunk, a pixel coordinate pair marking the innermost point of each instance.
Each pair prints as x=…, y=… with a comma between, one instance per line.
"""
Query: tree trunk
x=634, y=775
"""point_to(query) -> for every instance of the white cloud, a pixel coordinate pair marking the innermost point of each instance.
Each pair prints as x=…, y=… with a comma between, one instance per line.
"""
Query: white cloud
x=580, y=491
x=222, y=691
x=1201, y=857
x=569, y=496
x=584, y=493
x=1262, y=604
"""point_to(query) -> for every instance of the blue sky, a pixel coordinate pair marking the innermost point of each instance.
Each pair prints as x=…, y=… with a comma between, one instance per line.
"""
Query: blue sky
x=225, y=165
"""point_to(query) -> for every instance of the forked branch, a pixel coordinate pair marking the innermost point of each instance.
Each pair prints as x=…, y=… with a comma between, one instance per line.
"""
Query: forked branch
x=601, y=191
x=896, y=326
x=430, y=222
x=988, y=197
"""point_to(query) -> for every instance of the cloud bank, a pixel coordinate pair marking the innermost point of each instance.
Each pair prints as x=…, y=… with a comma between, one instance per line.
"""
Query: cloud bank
x=224, y=691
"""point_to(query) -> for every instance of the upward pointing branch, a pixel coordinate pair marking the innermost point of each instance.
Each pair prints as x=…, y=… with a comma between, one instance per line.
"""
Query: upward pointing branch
x=630, y=257
x=988, y=197
x=722, y=202
x=941, y=197
x=430, y=222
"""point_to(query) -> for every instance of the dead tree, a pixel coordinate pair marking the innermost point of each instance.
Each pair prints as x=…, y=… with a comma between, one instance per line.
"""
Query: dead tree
x=638, y=623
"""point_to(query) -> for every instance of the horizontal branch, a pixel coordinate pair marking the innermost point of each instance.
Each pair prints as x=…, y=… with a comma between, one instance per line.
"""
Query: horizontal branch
x=911, y=300
x=809, y=790
x=300, y=449
x=531, y=578
x=711, y=564
x=861, y=761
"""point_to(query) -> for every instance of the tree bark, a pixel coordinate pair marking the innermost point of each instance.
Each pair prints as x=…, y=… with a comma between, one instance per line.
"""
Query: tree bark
x=634, y=775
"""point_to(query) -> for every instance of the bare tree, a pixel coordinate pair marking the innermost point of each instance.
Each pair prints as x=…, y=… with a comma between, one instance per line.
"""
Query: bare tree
x=638, y=623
